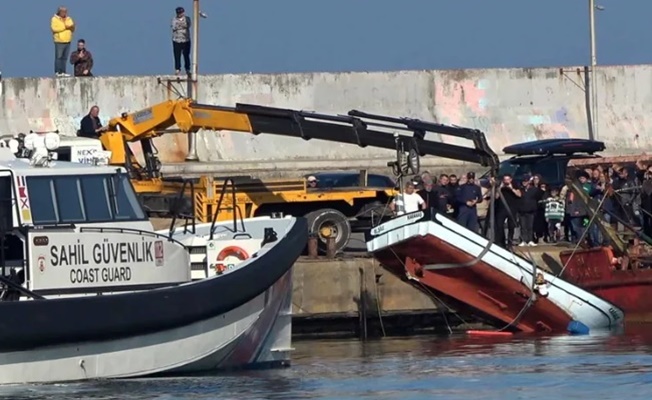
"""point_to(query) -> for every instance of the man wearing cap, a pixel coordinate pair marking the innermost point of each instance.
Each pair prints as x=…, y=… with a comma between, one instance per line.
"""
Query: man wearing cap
x=468, y=195
x=312, y=182
x=181, y=40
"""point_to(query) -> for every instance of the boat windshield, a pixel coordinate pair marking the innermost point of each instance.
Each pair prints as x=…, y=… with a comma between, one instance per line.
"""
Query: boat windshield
x=65, y=199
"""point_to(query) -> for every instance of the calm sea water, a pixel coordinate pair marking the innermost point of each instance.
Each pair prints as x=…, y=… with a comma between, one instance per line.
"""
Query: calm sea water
x=614, y=366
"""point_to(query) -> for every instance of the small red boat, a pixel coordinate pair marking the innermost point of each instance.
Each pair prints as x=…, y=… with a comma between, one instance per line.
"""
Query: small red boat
x=444, y=256
x=620, y=273
x=623, y=281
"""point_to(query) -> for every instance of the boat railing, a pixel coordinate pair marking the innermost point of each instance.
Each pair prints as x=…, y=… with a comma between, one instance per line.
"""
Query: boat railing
x=178, y=206
x=228, y=182
x=98, y=229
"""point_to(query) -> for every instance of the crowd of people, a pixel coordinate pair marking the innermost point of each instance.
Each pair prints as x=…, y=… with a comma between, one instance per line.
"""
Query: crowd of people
x=544, y=214
x=63, y=28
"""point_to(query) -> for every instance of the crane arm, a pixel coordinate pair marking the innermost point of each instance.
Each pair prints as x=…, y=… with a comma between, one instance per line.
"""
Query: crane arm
x=356, y=128
x=359, y=128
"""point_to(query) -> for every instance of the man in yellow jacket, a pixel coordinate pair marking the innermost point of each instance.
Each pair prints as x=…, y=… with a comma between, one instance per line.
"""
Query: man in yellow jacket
x=62, y=28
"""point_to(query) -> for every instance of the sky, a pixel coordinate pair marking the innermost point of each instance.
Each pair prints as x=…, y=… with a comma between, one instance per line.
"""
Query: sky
x=132, y=37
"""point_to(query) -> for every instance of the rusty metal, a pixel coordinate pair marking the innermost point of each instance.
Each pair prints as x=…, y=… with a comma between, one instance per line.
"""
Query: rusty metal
x=330, y=247
x=313, y=249
x=620, y=247
x=608, y=161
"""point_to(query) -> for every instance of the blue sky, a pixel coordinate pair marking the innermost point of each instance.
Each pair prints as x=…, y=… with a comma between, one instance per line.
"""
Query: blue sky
x=131, y=37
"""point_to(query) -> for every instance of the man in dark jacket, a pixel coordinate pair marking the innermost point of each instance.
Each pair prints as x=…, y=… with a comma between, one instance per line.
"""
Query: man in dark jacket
x=467, y=196
x=529, y=205
x=577, y=210
x=82, y=60
x=429, y=194
x=91, y=126
x=510, y=194
x=625, y=186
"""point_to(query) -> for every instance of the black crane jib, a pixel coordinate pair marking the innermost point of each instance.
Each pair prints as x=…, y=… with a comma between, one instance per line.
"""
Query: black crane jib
x=354, y=128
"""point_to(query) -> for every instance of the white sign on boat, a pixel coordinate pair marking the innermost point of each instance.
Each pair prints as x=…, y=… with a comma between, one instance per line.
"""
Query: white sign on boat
x=69, y=260
x=397, y=222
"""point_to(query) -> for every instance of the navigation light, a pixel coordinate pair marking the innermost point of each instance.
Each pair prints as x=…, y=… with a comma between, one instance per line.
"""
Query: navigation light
x=52, y=141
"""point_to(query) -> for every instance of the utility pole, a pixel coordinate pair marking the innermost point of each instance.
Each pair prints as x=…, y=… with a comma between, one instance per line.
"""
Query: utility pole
x=192, y=83
x=594, y=62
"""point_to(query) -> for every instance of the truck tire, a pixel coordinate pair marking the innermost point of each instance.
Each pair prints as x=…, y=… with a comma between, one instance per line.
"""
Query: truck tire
x=328, y=221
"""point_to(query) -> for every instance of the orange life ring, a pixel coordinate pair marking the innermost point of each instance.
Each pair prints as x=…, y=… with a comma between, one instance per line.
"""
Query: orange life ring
x=229, y=251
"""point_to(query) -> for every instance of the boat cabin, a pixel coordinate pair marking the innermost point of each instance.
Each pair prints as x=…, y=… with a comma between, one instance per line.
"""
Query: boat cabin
x=66, y=227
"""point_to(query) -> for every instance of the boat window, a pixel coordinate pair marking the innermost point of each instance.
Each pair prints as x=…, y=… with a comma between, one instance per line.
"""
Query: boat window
x=127, y=206
x=83, y=198
x=96, y=198
x=69, y=199
x=41, y=199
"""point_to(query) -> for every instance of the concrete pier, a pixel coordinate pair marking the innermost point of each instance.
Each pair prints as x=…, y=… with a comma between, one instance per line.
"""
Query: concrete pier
x=357, y=297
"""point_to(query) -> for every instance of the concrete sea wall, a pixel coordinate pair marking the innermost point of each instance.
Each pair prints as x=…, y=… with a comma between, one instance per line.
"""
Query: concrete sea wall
x=509, y=105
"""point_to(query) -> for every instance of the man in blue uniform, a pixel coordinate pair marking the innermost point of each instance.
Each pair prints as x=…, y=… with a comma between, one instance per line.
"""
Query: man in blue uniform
x=467, y=196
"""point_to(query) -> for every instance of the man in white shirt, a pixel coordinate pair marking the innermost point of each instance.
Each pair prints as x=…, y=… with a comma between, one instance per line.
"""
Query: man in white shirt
x=408, y=202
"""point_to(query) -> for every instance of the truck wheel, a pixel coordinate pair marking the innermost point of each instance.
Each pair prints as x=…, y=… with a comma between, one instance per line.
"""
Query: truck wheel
x=329, y=222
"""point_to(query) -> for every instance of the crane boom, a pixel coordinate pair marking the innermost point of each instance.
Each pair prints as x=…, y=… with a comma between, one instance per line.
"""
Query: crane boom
x=358, y=128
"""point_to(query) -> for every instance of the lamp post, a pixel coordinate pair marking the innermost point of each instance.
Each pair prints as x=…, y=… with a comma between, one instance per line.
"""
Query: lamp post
x=192, y=83
x=594, y=63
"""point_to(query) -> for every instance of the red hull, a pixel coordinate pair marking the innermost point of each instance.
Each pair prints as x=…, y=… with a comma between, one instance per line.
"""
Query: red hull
x=480, y=286
x=628, y=289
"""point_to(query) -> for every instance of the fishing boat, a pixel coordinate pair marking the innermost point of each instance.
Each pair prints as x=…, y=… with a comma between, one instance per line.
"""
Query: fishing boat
x=438, y=254
x=515, y=294
x=90, y=291
x=620, y=272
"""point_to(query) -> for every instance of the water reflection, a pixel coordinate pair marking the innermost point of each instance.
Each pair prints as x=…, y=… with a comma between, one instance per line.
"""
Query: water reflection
x=600, y=365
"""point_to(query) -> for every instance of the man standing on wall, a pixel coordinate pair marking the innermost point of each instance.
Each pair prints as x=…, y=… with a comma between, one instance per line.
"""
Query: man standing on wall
x=181, y=40
x=62, y=28
x=82, y=60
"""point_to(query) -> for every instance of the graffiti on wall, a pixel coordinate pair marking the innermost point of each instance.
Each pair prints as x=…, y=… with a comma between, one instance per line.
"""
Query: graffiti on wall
x=476, y=103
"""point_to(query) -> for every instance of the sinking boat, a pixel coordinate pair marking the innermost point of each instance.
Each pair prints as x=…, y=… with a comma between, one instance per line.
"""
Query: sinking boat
x=439, y=253
x=90, y=291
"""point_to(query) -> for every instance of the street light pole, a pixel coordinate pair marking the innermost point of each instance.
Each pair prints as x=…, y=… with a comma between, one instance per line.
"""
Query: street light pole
x=592, y=28
x=192, y=83
x=594, y=62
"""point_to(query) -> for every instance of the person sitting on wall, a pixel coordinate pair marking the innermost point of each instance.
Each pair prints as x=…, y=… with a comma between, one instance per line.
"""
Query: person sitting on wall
x=407, y=202
x=91, y=126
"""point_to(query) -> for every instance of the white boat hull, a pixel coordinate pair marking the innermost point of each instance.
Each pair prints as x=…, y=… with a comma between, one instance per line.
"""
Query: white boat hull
x=580, y=305
x=253, y=334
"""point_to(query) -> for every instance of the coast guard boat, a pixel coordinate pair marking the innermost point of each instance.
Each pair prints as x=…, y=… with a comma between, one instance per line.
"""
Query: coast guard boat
x=88, y=290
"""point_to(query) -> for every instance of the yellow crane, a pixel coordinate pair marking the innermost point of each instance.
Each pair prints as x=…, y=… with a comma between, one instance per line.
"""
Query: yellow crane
x=328, y=211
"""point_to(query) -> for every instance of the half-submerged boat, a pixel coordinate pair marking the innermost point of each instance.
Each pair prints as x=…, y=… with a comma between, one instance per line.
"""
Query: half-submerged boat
x=90, y=291
x=450, y=259
x=440, y=254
